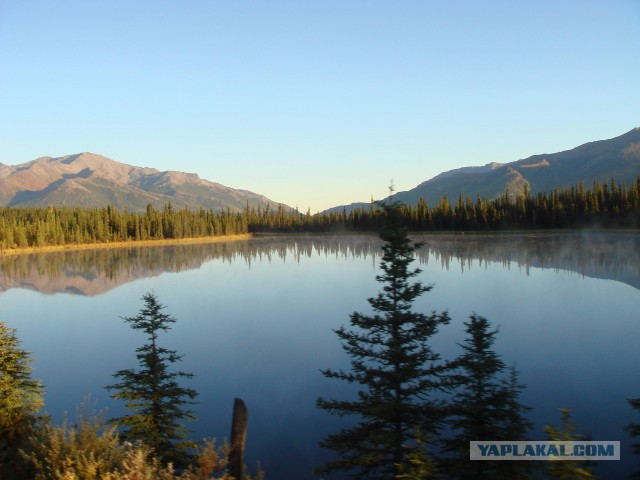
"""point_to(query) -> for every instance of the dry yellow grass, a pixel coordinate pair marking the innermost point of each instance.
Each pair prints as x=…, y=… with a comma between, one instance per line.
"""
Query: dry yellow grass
x=129, y=243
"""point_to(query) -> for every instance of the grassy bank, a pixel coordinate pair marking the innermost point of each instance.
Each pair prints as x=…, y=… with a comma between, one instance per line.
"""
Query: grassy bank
x=125, y=244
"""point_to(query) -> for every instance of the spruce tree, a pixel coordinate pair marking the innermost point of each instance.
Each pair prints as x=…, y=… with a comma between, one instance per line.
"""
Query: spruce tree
x=152, y=392
x=634, y=431
x=394, y=366
x=20, y=401
x=485, y=406
x=516, y=426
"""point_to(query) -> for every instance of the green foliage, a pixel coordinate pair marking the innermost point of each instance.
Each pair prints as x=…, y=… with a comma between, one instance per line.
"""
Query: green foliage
x=33, y=448
x=394, y=366
x=89, y=449
x=153, y=393
x=20, y=401
x=85, y=450
x=634, y=431
x=22, y=227
x=605, y=205
x=567, y=469
x=485, y=406
x=515, y=424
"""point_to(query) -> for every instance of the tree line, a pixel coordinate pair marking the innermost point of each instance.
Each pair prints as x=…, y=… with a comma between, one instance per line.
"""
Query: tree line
x=606, y=204
x=24, y=227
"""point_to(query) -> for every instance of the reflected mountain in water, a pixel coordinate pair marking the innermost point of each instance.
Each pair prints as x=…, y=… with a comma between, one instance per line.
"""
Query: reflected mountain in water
x=614, y=256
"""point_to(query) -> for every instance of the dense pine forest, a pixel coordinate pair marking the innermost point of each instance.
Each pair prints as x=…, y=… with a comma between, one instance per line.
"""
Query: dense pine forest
x=607, y=204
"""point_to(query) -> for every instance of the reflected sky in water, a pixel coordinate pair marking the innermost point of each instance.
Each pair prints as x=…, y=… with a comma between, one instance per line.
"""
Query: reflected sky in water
x=255, y=321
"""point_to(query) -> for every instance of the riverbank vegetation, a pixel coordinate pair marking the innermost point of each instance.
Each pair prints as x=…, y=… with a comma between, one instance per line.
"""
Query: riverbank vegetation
x=149, y=447
x=605, y=205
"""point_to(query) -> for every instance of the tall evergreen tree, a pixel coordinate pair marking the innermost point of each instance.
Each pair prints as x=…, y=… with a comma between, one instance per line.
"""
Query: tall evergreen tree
x=485, y=406
x=20, y=401
x=476, y=407
x=634, y=430
x=515, y=427
x=394, y=366
x=152, y=392
x=516, y=424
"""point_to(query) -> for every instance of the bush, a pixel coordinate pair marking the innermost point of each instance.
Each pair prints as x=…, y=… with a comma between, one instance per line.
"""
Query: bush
x=91, y=449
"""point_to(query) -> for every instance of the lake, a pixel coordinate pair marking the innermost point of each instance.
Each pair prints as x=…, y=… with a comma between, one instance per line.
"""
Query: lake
x=255, y=320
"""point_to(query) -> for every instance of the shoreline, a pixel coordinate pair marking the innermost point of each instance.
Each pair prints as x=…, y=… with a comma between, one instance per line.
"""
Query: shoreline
x=7, y=252
x=123, y=244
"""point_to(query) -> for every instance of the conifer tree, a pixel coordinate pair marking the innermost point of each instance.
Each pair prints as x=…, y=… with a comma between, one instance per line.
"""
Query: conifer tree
x=515, y=427
x=20, y=401
x=634, y=431
x=516, y=423
x=476, y=404
x=152, y=392
x=394, y=366
x=485, y=406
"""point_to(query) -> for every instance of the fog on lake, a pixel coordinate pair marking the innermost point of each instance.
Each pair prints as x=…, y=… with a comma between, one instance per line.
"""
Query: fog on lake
x=255, y=320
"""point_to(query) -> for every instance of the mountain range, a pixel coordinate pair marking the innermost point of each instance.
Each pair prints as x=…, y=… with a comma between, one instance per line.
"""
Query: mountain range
x=617, y=158
x=91, y=180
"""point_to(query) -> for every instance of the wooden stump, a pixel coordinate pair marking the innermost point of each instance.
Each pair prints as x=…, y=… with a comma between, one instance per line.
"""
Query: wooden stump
x=238, y=439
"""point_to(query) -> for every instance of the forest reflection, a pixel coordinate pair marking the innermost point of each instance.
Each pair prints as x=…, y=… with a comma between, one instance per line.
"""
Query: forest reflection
x=614, y=256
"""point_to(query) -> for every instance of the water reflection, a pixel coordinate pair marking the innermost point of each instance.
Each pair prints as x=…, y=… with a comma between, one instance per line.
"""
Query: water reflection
x=614, y=256
x=256, y=321
x=610, y=256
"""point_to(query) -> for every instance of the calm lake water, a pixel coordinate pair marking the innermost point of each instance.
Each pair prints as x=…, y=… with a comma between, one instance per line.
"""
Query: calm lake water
x=255, y=321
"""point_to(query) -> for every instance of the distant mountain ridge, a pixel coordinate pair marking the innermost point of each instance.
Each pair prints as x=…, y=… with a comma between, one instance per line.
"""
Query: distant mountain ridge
x=92, y=180
x=617, y=158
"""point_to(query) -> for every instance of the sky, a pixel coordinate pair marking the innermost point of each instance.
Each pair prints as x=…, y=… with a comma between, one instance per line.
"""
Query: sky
x=315, y=103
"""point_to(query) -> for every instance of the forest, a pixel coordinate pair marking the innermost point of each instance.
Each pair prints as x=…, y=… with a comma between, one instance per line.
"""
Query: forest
x=606, y=204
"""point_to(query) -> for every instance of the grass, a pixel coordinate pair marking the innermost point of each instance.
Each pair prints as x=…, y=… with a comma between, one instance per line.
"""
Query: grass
x=123, y=244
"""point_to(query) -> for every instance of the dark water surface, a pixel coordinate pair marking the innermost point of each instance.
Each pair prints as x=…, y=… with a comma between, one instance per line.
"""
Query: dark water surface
x=255, y=321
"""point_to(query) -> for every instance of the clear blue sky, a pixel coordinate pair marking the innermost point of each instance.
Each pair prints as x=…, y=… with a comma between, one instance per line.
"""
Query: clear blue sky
x=315, y=103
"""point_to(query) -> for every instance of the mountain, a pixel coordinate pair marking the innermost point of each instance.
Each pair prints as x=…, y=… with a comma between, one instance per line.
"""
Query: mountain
x=618, y=158
x=91, y=180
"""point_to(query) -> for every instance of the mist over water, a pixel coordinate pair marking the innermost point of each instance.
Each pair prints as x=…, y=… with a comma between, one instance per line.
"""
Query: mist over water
x=255, y=321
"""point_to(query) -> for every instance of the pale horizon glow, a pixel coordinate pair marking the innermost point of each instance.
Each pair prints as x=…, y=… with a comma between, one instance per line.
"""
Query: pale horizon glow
x=315, y=104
